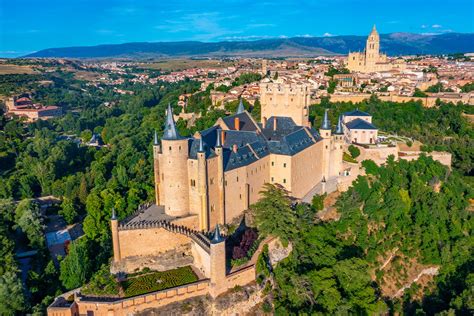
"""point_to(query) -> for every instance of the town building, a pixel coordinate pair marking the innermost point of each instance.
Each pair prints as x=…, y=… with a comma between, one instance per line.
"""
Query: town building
x=25, y=107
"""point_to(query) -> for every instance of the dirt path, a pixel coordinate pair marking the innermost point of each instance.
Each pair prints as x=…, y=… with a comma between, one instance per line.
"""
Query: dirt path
x=428, y=271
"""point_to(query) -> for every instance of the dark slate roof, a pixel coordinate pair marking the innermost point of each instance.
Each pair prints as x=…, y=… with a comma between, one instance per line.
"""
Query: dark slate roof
x=170, y=132
x=356, y=113
x=241, y=138
x=359, y=124
x=255, y=142
x=244, y=156
x=285, y=126
x=293, y=143
x=194, y=148
x=246, y=122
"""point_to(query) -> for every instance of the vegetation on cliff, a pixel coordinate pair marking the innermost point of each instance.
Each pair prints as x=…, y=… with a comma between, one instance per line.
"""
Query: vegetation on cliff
x=415, y=210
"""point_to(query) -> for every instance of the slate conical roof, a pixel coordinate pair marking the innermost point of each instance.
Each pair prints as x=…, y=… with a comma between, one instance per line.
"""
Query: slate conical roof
x=240, y=108
x=326, y=124
x=171, y=133
x=216, y=238
x=339, y=129
x=201, y=145
x=218, y=139
x=155, y=139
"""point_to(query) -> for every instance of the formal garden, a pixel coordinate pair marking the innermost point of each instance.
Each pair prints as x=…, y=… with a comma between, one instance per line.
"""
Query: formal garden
x=104, y=284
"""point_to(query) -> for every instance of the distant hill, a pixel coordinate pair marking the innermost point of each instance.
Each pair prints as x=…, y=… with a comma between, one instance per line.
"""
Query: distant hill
x=393, y=44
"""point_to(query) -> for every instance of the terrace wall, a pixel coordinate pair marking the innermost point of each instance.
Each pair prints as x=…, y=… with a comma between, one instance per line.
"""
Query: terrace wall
x=129, y=306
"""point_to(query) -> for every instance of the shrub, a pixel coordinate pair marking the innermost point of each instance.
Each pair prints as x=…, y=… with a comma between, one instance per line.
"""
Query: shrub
x=102, y=283
x=355, y=152
x=248, y=239
x=348, y=158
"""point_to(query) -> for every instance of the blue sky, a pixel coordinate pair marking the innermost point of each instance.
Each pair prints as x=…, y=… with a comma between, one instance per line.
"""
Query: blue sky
x=30, y=25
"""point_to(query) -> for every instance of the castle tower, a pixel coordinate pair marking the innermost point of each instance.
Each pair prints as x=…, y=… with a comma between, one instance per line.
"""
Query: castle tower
x=290, y=100
x=156, y=167
x=220, y=176
x=218, y=264
x=173, y=169
x=202, y=187
x=115, y=236
x=325, y=133
x=372, y=48
x=337, y=150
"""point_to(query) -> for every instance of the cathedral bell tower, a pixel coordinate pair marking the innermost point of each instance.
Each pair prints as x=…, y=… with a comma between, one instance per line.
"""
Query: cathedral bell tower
x=372, y=47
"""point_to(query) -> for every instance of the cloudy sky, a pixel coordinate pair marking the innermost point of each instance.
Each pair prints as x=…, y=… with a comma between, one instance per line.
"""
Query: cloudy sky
x=30, y=25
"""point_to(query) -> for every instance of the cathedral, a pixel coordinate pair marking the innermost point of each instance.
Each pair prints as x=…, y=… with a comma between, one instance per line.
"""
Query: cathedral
x=370, y=60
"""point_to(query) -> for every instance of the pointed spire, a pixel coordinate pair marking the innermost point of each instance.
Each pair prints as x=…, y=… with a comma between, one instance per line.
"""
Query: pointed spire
x=217, y=238
x=155, y=139
x=219, y=140
x=241, y=107
x=114, y=216
x=339, y=129
x=171, y=133
x=201, y=145
x=326, y=124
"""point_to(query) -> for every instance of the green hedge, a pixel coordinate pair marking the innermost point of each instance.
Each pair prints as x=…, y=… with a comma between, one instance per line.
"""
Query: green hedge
x=156, y=281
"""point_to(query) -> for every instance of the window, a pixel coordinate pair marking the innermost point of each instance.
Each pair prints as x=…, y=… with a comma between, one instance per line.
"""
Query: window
x=273, y=180
x=237, y=179
x=240, y=196
x=273, y=163
x=211, y=180
x=193, y=182
x=284, y=165
x=170, y=148
x=284, y=180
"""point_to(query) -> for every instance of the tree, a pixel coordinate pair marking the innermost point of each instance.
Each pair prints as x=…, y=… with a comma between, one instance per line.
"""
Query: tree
x=12, y=299
x=332, y=86
x=274, y=214
x=355, y=152
x=75, y=268
x=28, y=219
x=68, y=210
x=419, y=94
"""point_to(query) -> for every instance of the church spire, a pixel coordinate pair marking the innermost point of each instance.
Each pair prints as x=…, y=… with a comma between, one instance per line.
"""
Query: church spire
x=339, y=129
x=171, y=133
x=326, y=124
x=241, y=107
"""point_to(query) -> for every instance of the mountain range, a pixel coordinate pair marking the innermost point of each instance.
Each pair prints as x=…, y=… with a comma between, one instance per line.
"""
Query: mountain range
x=393, y=44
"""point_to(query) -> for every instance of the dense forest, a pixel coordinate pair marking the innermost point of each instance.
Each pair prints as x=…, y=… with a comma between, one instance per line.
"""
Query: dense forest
x=43, y=158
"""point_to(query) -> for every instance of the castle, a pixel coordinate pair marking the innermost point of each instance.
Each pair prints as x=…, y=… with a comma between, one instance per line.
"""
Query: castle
x=209, y=180
x=370, y=60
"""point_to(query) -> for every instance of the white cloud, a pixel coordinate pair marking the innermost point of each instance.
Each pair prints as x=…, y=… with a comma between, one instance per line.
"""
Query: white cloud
x=436, y=26
x=327, y=34
x=424, y=26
